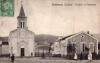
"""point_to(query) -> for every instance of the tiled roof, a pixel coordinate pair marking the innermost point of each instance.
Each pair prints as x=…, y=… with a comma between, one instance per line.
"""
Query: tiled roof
x=97, y=36
x=4, y=40
x=66, y=37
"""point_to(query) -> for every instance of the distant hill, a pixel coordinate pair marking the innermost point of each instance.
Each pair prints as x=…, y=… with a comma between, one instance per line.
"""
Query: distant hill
x=45, y=39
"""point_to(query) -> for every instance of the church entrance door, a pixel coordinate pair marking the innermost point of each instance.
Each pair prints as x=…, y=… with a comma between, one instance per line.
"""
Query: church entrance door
x=22, y=51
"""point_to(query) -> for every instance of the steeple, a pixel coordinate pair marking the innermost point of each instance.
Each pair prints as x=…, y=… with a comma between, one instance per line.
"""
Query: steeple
x=22, y=13
x=22, y=19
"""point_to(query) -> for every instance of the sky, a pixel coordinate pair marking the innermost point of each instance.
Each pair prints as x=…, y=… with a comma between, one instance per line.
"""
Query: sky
x=55, y=17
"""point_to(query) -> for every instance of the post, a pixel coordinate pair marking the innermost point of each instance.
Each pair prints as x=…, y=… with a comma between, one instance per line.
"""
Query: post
x=97, y=48
x=43, y=56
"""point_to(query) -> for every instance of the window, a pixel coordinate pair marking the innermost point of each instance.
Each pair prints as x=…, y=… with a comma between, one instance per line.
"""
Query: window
x=71, y=48
x=21, y=24
x=83, y=46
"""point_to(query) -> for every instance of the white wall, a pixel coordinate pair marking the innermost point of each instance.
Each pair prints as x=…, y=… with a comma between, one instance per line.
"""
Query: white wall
x=5, y=49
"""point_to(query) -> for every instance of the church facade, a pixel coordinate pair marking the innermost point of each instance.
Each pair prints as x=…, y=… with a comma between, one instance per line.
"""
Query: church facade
x=21, y=40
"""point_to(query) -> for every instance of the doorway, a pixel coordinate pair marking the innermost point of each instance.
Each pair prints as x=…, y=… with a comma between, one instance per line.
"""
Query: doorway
x=91, y=47
x=22, y=51
x=71, y=48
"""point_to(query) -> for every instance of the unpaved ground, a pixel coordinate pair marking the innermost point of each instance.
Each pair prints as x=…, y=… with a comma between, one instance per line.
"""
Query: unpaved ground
x=47, y=60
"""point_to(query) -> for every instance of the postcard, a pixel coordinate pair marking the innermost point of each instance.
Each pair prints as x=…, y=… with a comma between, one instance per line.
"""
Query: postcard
x=51, y=31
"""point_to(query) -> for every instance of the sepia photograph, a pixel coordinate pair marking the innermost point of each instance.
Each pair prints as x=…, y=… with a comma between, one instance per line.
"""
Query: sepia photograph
x=49, y=31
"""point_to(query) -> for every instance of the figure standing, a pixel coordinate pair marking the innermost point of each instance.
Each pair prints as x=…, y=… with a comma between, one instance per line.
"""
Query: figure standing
x=12, y=58
x=31, y=54
x=90, y=56
x=75, y=57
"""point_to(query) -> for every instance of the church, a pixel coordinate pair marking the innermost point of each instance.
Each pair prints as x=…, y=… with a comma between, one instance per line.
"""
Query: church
x=21, y=40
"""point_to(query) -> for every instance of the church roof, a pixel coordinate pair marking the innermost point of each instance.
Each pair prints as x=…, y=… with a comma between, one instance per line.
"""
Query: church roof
x=21, y=31
x=22, y=13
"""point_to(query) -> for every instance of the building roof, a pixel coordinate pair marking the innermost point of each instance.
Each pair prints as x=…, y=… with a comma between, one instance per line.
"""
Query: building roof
x=19, y=32
x=95, y=36
x=22, y=13
x=63, y=38
x=45, y=47
x=4, y=40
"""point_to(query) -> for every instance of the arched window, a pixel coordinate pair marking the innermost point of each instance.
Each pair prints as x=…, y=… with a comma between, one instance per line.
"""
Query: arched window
x=21, y=24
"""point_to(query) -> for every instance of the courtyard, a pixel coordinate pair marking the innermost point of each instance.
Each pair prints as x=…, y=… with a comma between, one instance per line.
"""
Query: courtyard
x=46, y=60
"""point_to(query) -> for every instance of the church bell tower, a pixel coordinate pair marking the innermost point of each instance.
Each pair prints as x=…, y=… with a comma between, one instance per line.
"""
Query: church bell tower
x=22, y=19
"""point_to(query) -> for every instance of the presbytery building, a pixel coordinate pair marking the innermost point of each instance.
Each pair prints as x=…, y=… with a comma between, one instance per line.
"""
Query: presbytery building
x=80, y=43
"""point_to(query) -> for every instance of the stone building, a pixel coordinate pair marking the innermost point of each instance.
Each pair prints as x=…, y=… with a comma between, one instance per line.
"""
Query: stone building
x=4, y=46
x=56, y=48
x=21, y=40
x=77, y=43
